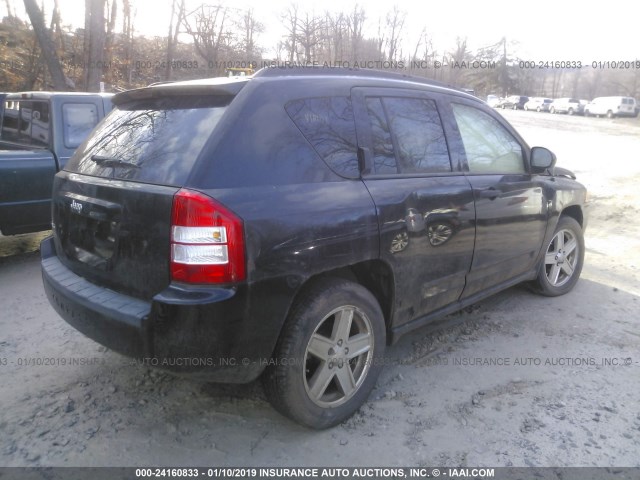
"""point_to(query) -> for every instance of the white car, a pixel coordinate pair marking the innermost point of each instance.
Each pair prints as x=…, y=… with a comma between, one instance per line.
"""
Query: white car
x=538, y=104
x=570, y=106
x=493, y=100
x=612, y=107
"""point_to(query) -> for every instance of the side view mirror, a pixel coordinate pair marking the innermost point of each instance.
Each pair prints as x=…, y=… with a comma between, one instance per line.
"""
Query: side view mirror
x=542, y=159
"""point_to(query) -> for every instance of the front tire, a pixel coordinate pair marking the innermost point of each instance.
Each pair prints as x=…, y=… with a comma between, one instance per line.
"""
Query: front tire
x=560, y=267
x=329, y=354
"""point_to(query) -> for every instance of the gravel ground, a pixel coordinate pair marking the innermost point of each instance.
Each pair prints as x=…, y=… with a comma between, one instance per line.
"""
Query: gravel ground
x=519, y=380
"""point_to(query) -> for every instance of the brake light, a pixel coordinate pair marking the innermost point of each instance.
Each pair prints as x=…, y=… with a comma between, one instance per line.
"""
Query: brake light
x=207, y=240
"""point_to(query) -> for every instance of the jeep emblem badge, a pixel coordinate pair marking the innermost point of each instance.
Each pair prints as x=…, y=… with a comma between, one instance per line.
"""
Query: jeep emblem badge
x=76, y=207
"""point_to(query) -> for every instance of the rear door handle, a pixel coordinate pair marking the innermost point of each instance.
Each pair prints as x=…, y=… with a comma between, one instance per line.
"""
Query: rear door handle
x=491, y=193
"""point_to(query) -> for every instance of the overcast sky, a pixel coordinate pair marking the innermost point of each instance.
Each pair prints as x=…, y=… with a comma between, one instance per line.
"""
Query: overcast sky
x=543, y=30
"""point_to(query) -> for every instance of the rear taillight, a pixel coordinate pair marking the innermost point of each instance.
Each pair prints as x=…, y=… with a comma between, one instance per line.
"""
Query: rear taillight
x=207, y=240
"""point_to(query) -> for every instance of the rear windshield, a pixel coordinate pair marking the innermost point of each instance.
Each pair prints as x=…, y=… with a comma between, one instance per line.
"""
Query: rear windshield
x=151, y=141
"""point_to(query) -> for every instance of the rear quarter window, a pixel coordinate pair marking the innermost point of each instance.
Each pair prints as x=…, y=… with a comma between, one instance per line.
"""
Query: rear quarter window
x=328, y=124
x=151, y=141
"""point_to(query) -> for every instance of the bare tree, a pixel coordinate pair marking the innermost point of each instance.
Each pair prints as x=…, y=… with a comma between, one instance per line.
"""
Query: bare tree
x=112, y=9
x=458, y=57
x=47, y=45
x=94, y=43
x=127, y=32
x=177, y=17
x=251, y=28
x=555, y=82
x=394, y=23
x=381, y=39
x=290, y=20
x=355, y=21
x=55, y=28
x=206, y=25
x=422, y=44
x=334, y=36
x=493, y=80
x=310, y=28
x=111, y=24
x=9, y=12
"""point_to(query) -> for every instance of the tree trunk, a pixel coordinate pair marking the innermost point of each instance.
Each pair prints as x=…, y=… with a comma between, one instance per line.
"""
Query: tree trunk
x=174, y=30
x=94, y=44
x=47, y=46
x=127, y=31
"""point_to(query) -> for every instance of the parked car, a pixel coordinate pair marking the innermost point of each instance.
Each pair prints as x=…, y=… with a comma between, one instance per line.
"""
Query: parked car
x=538, y=104
x=493, y=100
x=40, y=131
x=515, y=102
x=291, y=224
x=570, y=106
x=612, y=107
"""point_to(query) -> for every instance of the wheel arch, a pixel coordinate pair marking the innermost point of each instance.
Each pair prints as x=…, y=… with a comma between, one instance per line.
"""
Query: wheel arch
x=575, y=212
x=374, y=275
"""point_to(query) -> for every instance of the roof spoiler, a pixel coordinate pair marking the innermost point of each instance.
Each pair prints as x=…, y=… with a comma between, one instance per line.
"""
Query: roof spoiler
x=159, y=90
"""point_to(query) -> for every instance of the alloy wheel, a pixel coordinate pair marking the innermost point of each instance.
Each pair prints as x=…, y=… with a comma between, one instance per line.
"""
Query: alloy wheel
x=561, y=258
x=338, y=356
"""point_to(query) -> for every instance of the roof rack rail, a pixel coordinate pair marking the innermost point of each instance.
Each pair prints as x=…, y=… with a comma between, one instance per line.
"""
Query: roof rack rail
x=313, y=70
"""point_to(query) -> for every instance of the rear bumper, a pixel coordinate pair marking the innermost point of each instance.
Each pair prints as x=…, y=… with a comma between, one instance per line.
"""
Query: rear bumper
x=110, y=318
x=208, y=334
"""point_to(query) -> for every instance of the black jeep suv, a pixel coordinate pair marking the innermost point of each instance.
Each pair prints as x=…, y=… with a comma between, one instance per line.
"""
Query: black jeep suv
x=293, y=223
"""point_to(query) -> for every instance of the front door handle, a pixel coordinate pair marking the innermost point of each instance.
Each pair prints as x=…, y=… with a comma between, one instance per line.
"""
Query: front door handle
x=491, y=193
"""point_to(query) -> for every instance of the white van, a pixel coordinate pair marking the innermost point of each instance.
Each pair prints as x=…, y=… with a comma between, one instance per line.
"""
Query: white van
x=612, y=107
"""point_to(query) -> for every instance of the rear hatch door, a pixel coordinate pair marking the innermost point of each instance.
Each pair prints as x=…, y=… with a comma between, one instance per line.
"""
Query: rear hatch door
x=112, y=203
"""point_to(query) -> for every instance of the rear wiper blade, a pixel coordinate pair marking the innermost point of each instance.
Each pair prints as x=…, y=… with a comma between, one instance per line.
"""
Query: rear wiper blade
x=112, y=162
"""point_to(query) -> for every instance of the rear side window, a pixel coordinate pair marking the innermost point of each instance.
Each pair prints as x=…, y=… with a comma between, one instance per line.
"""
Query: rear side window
x=384, y=158
x=407, y=131
x=26, y=123
x=328, y=125
x=489, y=147
x=78, y=120
x=152, y=141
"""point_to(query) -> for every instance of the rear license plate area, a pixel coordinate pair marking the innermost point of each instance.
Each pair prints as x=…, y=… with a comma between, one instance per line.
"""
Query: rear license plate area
x=90, y=230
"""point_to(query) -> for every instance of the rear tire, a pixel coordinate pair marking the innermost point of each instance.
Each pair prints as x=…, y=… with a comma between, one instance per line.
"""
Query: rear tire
x=329, y=354
x=553, y=110
x=610, y=114
x=560, y=267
